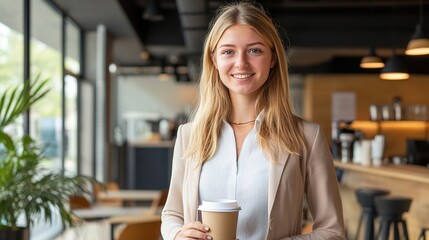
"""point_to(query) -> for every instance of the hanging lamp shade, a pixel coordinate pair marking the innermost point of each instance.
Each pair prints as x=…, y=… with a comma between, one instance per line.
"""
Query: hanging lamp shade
x=372, y=60
x=152, y=12
x=395, y=69
x=419, y=44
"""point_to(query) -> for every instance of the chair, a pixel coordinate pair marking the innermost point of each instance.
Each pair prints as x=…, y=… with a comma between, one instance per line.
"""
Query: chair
x=391, y=210
x=422, y=235
x=110, y=186
x=144, y=227
x=158, y=204
x=79, y=202
x=366, y=198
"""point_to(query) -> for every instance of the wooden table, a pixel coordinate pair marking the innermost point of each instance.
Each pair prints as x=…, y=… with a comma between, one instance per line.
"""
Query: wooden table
x=130, y=218
x=130, y=195
x=110, y=217
x=99, y=213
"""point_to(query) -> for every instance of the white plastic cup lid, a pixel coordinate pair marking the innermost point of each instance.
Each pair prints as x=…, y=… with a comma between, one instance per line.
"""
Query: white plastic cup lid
x=220, y=205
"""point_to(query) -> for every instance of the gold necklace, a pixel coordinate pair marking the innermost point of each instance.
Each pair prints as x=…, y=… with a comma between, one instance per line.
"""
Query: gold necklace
x=241, y=123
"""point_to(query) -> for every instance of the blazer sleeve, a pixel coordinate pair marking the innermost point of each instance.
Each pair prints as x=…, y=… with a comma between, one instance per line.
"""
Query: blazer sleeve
x=172, y=213
x=323, y=197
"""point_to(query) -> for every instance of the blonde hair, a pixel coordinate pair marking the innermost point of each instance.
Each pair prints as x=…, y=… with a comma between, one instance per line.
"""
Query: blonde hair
x=280, y=129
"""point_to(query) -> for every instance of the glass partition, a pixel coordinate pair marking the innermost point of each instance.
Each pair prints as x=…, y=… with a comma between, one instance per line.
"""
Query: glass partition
x=46, y=61
x=11, y=52
x=73, y=37
x=71, y=117
x=60, y=106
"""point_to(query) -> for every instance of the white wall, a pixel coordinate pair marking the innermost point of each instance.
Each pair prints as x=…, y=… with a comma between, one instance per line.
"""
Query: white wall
x=147, y=94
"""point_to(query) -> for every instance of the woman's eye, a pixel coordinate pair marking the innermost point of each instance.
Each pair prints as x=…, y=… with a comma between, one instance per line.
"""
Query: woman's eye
x=255, y=51
x=226, y=52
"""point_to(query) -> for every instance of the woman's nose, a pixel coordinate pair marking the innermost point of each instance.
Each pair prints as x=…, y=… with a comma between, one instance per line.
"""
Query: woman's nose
x=241, y=61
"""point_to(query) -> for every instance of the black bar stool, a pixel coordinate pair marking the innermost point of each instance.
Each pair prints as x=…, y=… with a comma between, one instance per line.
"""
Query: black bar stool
x=366, y=197
x=423, y=234
x=390, y=210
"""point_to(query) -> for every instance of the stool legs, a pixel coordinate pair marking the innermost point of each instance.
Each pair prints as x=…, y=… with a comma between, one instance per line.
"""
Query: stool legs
x=369, y=226
x=384, y=230
x=366, y=216
x=396, y=231
x=423, y=234
x=358, y=228
x=404, y=229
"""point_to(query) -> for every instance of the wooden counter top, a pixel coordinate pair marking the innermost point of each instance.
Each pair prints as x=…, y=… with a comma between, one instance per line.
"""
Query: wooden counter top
x=406, y=172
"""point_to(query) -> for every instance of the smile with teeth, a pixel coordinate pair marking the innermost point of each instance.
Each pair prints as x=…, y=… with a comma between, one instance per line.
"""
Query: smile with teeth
x=242, y=76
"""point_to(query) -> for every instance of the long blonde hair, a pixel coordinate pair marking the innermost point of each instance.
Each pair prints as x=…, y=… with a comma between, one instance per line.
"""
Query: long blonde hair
x=280, y=129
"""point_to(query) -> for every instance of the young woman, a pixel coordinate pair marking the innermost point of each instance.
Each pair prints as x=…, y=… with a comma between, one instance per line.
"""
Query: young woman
x=245, y=143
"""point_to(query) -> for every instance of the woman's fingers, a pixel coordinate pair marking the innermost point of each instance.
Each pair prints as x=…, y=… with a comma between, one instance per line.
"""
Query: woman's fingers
x=194, y=230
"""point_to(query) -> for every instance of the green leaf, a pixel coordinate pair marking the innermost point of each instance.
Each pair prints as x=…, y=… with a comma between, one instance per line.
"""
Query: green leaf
x=9, y=102
x=19, y=100
x=2, y=99
x=25, y=187
x=7, y=142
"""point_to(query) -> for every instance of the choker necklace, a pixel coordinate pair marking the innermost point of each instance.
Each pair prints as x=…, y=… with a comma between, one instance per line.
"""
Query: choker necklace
x=241, y=123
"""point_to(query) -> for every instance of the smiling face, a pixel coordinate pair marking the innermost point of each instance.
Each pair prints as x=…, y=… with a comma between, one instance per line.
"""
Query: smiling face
x=243, y=60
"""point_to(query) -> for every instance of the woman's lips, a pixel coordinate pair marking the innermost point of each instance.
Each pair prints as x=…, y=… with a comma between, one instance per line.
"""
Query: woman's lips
x=242, y=76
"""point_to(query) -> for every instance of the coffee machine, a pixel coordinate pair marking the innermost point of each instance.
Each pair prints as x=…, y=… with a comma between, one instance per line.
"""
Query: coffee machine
x=343, y=138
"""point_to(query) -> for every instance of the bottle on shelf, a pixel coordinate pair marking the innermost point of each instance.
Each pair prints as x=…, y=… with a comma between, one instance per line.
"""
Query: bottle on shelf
x=377, y=150
x=397, y=108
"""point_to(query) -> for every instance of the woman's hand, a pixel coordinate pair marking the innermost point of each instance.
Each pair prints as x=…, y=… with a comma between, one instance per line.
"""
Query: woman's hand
x=193, y=230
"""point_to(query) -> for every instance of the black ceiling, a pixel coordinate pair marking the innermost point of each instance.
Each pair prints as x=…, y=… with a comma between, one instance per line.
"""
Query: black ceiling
x=304, y=23
x=383, y=24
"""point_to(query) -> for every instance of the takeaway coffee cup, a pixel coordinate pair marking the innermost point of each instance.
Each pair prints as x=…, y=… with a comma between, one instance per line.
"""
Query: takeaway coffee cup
x=221, y=216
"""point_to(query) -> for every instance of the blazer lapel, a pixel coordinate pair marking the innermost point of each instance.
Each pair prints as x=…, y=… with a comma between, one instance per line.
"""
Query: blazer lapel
x=194, y=179
x=275, y=174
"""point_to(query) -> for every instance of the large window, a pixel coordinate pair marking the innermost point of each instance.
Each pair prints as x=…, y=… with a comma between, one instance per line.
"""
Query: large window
x=71, y=141
x=73, y=36
x=11, y=51
x=72, y=67
x=46, y=59
x=53, y=119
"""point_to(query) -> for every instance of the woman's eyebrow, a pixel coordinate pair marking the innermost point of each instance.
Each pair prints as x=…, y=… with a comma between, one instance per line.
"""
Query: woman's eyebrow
x=232, y=45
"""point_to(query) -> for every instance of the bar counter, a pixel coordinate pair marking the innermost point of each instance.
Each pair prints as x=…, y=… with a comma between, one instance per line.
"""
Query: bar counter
x=401, y=180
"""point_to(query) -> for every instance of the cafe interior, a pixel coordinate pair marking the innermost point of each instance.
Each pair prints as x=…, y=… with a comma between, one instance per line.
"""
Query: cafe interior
x=123, y=75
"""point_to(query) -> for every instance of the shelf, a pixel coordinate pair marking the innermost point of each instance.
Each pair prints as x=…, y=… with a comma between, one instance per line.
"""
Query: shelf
x=418, y=128
x=391, y=124
x=396, y=133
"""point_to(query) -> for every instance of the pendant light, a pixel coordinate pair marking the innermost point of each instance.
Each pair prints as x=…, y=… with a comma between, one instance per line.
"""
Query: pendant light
x=152, y=12
x=395, y=69
x=419, y=43
x=372, y=60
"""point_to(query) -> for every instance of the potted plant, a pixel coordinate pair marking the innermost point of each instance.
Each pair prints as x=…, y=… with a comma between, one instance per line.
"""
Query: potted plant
x=26, y=189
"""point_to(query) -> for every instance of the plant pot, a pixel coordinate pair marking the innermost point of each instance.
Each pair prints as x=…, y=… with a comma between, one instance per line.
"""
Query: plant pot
x=14, y=234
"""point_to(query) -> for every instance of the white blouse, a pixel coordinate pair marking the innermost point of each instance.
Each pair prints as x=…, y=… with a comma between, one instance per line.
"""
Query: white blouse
x=245, y=179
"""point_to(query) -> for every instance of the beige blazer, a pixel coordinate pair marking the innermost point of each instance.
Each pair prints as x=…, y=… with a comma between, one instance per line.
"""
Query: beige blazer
x=290, y=181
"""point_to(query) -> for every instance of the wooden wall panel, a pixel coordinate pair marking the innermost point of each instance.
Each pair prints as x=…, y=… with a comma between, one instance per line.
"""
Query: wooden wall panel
x=369, y=89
